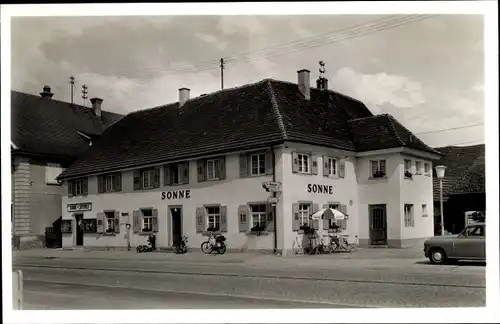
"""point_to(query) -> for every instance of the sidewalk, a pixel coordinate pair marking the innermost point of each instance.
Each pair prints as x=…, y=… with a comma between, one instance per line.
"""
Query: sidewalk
x=369, y=258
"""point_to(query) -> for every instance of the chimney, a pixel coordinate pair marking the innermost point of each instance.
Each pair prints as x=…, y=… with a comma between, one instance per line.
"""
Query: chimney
x=183, y=96
x=304, y=83
x=46, y=94
x=96, y=105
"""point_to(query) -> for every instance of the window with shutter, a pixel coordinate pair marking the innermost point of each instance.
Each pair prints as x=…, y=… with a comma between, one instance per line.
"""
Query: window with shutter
x=259, y=217
x=213, y=218
x=243, y=218
x=109, y=222
x=201, y=170
x=258, y=164
x=243, y=165
x=200, y=219
x=147, y=220
x=78, y=187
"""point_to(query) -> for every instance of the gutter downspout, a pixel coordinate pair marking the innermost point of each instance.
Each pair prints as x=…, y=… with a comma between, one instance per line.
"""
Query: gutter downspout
x=274, y=208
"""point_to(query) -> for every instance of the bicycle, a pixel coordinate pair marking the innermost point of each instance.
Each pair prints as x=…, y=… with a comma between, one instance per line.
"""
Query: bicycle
x=181, y=245
x=214, y=243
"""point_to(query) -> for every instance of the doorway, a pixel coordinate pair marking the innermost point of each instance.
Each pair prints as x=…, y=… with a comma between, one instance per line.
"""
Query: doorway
x=378, y=224
x=176, y=222
x=79, y=229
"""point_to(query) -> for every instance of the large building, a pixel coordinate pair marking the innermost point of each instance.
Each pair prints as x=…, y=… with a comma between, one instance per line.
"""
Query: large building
x=200, y=163
x=464, y=188
x=46, y=136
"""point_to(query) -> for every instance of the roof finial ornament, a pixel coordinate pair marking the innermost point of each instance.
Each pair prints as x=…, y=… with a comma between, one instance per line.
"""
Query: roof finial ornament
x=322, y=82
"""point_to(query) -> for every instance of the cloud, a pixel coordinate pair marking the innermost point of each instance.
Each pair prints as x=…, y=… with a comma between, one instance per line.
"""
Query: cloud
x=252, y=25
x=301, y=31
x=379, y=89
x=478, y=88
x=211, y=39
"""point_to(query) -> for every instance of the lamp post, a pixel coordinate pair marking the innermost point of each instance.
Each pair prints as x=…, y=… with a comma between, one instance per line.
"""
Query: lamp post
x=440, y=169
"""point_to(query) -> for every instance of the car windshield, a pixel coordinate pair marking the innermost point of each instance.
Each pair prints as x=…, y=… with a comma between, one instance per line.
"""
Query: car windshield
x=473, y=231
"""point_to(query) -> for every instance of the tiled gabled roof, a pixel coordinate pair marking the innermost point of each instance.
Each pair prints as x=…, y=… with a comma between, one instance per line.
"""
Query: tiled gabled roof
x=260, y=114
x=465, y=172
x=382, y=132
x=50, y=127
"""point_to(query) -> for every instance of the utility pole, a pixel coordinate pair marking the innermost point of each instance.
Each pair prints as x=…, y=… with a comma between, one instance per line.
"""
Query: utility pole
x=72, y=86
x=222, y=73
x=84, y=94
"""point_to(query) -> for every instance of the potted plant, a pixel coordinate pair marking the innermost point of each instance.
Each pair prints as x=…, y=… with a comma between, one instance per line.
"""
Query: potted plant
x=379, y=174
x=333, y=228
x=408, y=174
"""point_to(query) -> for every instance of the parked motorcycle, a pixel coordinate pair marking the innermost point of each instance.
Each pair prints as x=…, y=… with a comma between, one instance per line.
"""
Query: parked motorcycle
x=215, y=243
x=181, y=245
x=147, y=248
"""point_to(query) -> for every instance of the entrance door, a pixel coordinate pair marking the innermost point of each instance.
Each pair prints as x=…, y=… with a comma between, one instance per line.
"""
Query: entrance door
x=79, y=229
x=378, y=224
x=176, y=214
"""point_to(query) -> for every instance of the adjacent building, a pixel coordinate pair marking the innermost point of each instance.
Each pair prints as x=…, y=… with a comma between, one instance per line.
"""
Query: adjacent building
x=202, y=163
x=46, y=136
x=463, y=186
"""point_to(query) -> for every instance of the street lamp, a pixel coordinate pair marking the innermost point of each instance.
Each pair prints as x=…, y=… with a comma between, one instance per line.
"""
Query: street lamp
x=440, y=174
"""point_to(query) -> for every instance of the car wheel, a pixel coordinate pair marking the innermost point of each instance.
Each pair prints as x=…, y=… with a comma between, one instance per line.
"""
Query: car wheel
x=437, y=256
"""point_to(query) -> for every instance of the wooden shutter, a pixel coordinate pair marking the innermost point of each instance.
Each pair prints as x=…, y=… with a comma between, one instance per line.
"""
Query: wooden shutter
x=118, y=179
x=342, y=168
x=167, y=177
x=295, y=219
x=314, y=164
x=269, y=162
x=117, y=221
x=101, y=183
x=326, y=220
x=85, y=185
x=223, y=218
x=185, y=173
x=200, y=219
x=155, y=220
x=156, y=177
x=222, y=168
x=315, y=222
x=326, y=169
x=201, y=170
x=243, y=218
x=244, y=165
x=101, y=217
x=343, y=222
x=70, y=188
x=295, y=162
x=270, y=217
x=137, y=180
x=137, y=215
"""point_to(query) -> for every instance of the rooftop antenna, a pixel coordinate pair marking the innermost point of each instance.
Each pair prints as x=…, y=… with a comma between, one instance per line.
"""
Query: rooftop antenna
x=84, y=94
x=322, y=82
x=321, y=69
x=222, y=73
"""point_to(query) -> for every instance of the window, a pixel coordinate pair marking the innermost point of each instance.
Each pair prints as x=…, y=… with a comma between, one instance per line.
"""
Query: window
x=258, y=164
x=258, y=216
x=147, y=179
x=304, y=214
x=147, y=220
x=474, y=231
x=418, y=166
x=332, y=206
x=213, y=214
x=110, y=222
x=110, y=182
x=332, y=166
x=303, y=160
x=409, y=221
x=407, y=165
x=427, y=168
x=77, y=187
x=378, y=168
x=177, y=173
x=424, y=210
x=213, y=169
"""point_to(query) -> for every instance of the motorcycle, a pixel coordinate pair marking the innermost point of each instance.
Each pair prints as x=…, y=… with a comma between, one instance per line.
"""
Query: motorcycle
x=181, y=245
x=215, y=243
x=147, y=248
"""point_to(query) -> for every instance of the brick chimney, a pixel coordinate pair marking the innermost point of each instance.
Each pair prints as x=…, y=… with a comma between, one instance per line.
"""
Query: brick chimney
x=46, y=94
x=183, y=96
x=304, y=83
x=96, y=106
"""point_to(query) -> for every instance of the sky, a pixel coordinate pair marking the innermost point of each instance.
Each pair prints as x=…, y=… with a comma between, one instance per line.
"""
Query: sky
x=426, y=71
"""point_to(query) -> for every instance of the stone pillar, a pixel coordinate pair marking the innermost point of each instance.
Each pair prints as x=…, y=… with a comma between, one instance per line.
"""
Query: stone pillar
x=21, y=198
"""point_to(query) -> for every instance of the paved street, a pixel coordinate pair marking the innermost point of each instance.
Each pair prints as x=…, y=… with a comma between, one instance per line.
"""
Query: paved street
x=243, y=281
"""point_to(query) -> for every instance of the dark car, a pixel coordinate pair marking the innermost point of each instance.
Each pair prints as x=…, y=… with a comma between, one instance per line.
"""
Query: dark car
x=470, y=244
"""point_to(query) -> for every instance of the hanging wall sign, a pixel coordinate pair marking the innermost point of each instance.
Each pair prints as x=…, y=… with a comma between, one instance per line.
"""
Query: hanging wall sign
x=315, y=188
x=176, y=194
